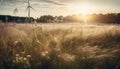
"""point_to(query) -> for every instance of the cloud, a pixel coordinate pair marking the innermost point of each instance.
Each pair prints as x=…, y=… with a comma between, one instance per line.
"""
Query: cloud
x=54, y=2
x=19, y=2
x=7, y=3
x=40, y=5
x=46, y=4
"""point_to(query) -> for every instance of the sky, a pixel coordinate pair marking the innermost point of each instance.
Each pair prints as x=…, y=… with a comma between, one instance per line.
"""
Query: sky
x=58, y=7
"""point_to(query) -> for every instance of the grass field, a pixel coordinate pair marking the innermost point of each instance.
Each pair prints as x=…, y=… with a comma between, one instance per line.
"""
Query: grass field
x=59, y=46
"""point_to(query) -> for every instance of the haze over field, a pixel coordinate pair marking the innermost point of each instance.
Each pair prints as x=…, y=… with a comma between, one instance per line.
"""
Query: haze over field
x=59, y=34
x=59, y=7
x=59, y=46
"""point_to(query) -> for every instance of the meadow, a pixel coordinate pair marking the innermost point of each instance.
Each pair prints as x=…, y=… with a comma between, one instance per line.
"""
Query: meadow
x=59, y=46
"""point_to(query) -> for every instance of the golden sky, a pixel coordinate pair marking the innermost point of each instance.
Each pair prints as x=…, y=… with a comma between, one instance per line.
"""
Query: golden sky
x=59, y=7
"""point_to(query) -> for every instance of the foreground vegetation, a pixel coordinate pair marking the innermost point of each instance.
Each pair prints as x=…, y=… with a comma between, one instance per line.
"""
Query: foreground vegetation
x=35, y=48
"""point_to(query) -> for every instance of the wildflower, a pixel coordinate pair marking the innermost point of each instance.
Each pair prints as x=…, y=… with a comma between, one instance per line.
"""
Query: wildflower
x=59, y=55
x=23, y=52
x=20, y=58
x=15, y=42
x=57, y=49
x=68, y=57
x=17, y=55
x=46, y=52
x=16, y=59
x=24, y=58
x=29, y=56
x=43, y=54
x=38, y=42
x=48, y=57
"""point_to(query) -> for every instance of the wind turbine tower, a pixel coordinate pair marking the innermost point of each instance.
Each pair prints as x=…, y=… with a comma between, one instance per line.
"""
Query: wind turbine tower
x=28, y=8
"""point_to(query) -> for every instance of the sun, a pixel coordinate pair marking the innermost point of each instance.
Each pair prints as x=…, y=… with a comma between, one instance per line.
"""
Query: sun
x=85, y=8
x=81, y=8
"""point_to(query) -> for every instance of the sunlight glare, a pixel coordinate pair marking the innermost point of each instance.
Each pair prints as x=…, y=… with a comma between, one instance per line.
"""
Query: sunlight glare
x=85, y=9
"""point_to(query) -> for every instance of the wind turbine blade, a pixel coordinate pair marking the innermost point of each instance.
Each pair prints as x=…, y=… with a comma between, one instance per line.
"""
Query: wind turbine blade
x=15, y=11
x=26, y=9
x=32, y=8
x=21, y=1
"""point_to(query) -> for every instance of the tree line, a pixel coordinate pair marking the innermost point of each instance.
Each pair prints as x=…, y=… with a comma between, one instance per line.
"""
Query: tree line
x=16, y=19
x=91, y=18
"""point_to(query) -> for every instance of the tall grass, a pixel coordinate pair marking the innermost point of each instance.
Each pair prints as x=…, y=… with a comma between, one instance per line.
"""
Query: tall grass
x=58, y=49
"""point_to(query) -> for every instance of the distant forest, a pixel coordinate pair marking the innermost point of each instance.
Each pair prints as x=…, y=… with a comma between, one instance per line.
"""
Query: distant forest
x=91, y=18
x=16, y=19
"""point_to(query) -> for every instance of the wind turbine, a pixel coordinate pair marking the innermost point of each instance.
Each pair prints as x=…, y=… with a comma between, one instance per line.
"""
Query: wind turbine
x=28, y=8
x=15, y=11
